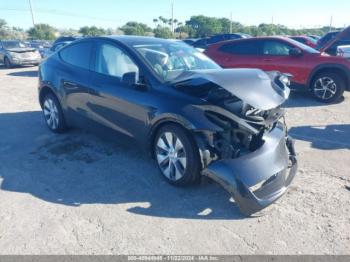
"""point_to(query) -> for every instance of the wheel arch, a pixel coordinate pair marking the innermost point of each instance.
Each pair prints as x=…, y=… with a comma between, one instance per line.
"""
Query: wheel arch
x=342, y=70
x=158, y=124
x=44, y=91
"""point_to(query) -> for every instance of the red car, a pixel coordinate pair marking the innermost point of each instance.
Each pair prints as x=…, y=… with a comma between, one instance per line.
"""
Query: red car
x=306, y=40
x=326, y=76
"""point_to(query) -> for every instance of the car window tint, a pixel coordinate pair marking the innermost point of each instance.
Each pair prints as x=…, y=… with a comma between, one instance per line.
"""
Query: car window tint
x=241, y=48
x=110, y=60
x=277, y=48
x=78, y=54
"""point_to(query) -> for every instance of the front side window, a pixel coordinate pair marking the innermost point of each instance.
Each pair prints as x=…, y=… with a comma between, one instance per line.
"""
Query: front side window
x=112, y=61
x=78, y=54
x=276, y=48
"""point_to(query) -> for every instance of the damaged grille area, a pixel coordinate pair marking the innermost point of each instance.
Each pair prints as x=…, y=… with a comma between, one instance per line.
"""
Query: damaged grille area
x=236, y=140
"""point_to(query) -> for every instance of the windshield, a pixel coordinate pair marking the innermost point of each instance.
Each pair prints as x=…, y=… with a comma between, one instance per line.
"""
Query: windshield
x=170, y=59
x=304, y=47
x=13, y=44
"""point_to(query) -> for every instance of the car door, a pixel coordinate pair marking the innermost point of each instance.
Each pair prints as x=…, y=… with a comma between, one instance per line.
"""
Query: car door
x=239, y=54
x=75, y=76
x=2, y=51
x=276, y=57
x=112, y=102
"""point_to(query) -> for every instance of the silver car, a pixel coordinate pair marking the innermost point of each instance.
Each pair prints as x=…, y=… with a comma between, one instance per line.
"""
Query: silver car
x=15, y=53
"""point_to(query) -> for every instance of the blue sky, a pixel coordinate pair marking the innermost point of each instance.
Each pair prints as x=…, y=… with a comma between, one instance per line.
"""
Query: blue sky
x=114, y=13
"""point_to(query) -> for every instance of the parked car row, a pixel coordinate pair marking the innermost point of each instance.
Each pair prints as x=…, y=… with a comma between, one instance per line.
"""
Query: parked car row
x=321, y=67
x=327, y=77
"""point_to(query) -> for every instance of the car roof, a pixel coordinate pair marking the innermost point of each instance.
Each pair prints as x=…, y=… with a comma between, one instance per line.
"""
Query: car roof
x=283, y=38
x=134, y=40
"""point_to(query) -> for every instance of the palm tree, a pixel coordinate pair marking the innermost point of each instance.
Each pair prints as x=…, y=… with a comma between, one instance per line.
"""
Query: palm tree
x=155, y=21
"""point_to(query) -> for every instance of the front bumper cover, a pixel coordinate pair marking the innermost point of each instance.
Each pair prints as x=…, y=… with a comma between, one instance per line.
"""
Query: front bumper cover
x=272, y=167
x=28, y=61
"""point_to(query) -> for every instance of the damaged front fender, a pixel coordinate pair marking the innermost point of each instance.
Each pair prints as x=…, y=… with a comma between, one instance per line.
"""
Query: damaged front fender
x=258, y=179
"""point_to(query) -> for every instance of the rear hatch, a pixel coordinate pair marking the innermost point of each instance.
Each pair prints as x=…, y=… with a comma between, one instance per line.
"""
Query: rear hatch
x=343, y=38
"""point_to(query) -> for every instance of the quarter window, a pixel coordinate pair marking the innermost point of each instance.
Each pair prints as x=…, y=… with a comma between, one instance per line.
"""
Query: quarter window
x=78, y=54
x=112, y=61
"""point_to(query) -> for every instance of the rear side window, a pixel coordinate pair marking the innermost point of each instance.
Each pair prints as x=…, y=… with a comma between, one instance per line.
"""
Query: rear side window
x=242, y=48
x=77, y=54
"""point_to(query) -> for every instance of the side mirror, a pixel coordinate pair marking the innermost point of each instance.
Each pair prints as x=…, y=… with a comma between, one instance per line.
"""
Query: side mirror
x=295, y=52
x=130, y=78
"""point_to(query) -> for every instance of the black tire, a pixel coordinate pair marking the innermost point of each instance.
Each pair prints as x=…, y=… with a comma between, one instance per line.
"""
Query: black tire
x=50, y=102
x=7, y=62
x=335, y=90
x=191, y=172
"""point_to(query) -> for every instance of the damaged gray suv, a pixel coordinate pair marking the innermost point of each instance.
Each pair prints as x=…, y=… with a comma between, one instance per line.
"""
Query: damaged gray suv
x=195, y=117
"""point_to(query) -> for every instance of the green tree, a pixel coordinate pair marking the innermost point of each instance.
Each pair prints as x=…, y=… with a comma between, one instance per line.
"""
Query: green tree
x=135, y=28
x=91, y=31
x=203, y=26
x=42, y=32
x=4, y=30
x=162, y=32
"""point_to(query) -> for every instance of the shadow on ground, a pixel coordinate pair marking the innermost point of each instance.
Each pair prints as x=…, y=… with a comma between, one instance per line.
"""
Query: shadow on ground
x=328, y=137
x=304, y=99
x=78, y=169
x=32, y=73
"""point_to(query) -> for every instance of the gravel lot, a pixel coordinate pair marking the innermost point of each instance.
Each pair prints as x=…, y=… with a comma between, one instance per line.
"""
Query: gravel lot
x=79, y=194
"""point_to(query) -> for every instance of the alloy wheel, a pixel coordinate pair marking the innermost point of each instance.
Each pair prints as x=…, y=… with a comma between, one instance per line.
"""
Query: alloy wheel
x=171, y=156
x=51, y=113
x=325, y=88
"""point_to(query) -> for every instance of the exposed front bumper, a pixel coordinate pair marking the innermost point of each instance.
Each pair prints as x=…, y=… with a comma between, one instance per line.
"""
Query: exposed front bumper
x=258, y=179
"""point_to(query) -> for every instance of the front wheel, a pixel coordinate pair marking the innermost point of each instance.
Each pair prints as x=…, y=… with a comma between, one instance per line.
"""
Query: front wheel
x=328, y=87
x=7, y=63
x=177, y=155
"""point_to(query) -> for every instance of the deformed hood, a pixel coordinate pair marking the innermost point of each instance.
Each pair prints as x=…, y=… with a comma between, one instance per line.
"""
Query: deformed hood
x=253, y=86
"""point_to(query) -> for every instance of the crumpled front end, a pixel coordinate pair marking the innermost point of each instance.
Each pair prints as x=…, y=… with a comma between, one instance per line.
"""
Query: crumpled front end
x=249, y=153
x=257, y=179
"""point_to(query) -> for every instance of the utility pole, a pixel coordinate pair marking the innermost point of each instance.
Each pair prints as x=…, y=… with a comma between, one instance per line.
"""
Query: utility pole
x=330, y=24
x=172, y=17
x=31, y=10
x=231, y=25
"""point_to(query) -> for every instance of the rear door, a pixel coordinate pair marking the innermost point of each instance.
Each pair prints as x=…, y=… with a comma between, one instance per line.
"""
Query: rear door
x=240, y=54
x=75, y=76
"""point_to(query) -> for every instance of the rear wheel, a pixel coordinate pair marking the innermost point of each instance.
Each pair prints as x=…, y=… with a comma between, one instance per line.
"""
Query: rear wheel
x=7, y=62
x=177, y=155
x=53, y=114
x=328, y=87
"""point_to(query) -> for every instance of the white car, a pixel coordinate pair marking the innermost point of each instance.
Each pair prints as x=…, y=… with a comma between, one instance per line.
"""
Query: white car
x=343, y=51
x=15, y=53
